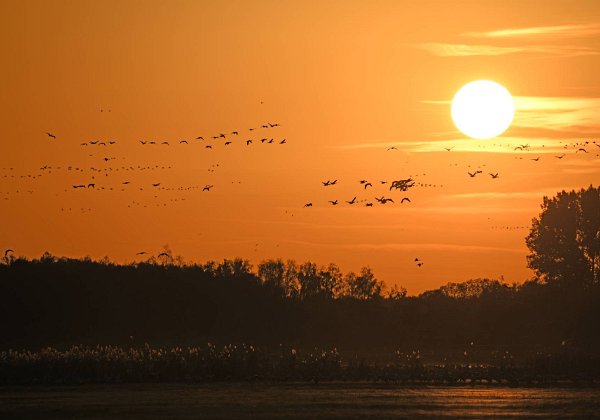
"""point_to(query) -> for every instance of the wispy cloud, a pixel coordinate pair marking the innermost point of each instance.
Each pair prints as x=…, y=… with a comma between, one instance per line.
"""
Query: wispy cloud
x=558, y=113
x=492, y=195
x=500, y=145
x=558, y=31
x=464, y=50
x=410, y=246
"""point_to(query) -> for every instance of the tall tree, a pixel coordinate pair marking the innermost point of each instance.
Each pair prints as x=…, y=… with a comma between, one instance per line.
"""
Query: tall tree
x=565, y=239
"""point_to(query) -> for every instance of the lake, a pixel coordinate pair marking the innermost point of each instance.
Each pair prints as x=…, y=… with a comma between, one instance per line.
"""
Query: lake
x=293, y=401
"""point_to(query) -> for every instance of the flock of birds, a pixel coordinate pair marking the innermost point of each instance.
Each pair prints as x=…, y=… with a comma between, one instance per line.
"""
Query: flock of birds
x=364, y=196
x=400, y=184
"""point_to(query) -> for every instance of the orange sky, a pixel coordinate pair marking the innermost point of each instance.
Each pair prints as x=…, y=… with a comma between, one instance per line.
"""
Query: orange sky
x=344, y=79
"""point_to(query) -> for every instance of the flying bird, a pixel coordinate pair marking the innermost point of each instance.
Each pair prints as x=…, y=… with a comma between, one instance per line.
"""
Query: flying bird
x=183, y=141
x=368, y=184
x=448, y=148
x=282, y=141
x=141, y=253
x=560, y=157
x=494, y=176
x=207, y=187
x=404, y=199
x=536, y=159
x=308, y=205
x=248, y=142
x=199, y=138
x=473, y=174
x=352, y=201
x=227, y=143
x=234, y=133
x=392, y=148
x=333, y=203
x=156, y=185
x=52, y=136
x=8, y=251
x=581, y=149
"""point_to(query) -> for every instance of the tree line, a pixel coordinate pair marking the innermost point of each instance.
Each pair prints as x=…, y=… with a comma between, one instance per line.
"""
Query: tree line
x=163, y=301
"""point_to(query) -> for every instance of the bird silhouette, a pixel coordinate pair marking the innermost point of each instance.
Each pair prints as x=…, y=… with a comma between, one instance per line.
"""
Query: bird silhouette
x=308, y=205
x=235, y=133
x=208, y=146
x=404, y=199
x=91, y=186
x=473, y=174
x=248, y=142
x=8, y=251
x=536, y=159
x=560, y=157
x=141, y=253
x=494, y=176
x=156, y=185
x=448, y=148
x=207, y=187
x=227, y=143
x=392, y=148
x=581, y=149
x=199, y=138
x=166, y=142
x=384, y=200
x=352, y=201
x=183, y=142
x=368, y=184
x=143, y=142
x=282, y=141
x=52, y=136
x=333, y=203
x=369, y=205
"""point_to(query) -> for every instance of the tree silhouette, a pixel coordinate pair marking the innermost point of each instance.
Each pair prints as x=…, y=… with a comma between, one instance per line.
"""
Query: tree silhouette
x=565, y=239
x=363, y=286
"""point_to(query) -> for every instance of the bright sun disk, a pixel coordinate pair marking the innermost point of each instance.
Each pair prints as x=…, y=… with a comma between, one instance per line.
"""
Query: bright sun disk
x=482, y=109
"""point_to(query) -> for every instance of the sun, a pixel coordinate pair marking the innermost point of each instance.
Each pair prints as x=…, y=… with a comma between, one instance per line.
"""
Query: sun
x=482, y=109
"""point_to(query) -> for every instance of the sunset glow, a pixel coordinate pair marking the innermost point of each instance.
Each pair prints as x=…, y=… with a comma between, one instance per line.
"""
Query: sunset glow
x=357, y=92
